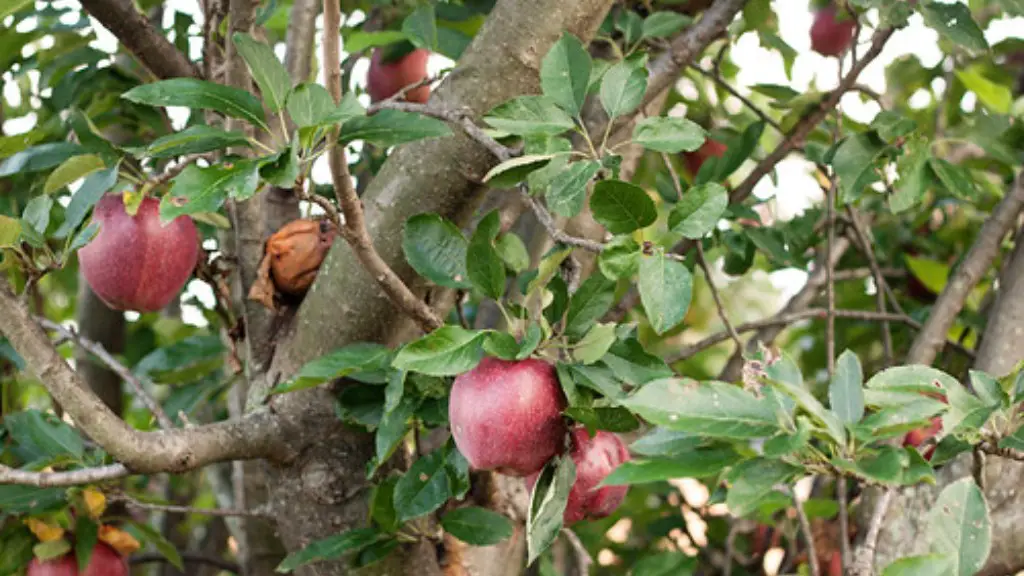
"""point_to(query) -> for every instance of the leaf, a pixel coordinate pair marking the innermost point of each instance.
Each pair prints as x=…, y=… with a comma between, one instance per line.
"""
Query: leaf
x=392, y=429
x=912, y=378
x=37, y=213
x=846, y=391
x=360, y=40
x=622, y=88
x=199, y=94
x=958, y=526
x=914, y=179
x=18, y=499
x=755, y=482
x=594, y=345
x=567, y=191
x=424, y=488
x=738, y=150
x=513, y=252
x=701, y=463
x=622, y=207
x=996, y=97
x=565, y=73
x=436, y=250
x=778, y=92
x=589, y=303
x=192, y=140
x=547, y=505
x=932, y=274
x=664, y=564
x=891, y=125
x=620, y=258
x=699, y=210
x=330, y=548
x=483, y=264
x=10, y=231
x=86, y=532
x=664, y=24
x=954, y=22
x=199, y=189
x=268, y=72
x=665, y=287
x=43, y=434
x=664, y=442
x=420, y=27
x=477, y=526
x=311, y=105
x=281, y=169
x=390, y=128
x=670, y=135
x=530, y=116
x=71, y=170
x=162, y=545
x=51, y=550
x=13, y=7
x=955, y=178
x=927, y=565
x=447, y=351
x=854, y=162
x=341, y=363
x=713, y=409
x=39, y=158
x=515, y=170
x=812, y=406
x=610, y=418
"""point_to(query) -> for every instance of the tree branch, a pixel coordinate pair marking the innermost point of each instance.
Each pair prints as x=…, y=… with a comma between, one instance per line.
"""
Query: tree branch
x=191, y=557
x=864, y=557
x=298, y=56
x=133, y=503
x=139, y=36
x=63, y=479
x=255, y=436
x=100, y=352
x=805, y=529
x=966, y=277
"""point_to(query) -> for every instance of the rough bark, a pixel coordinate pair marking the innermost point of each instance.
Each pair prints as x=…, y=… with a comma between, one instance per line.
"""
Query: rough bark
x=141, y=38
x=345, y=304
x=100, y=324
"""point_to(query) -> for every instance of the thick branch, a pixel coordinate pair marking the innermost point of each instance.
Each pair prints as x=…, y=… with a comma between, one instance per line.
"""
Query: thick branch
x=966, y=277
x=298, y=57
x=255, y=436
x=61, y=479
x=139, y=36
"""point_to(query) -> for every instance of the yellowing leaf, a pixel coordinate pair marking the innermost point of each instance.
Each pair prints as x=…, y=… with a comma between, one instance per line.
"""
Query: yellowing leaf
x=95, y=502
x=43, y=530
x=119, y=540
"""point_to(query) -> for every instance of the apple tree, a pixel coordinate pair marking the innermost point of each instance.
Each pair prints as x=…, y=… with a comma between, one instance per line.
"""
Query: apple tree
x=480, y=287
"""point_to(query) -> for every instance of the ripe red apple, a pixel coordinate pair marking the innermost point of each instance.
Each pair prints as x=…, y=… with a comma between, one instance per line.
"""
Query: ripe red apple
x=835, y=564
x=831, y=36
x=105, y=561
x=507, y=416
x=694, y=160
x=918, y=437
x=135, y=262
x=385, y=79
x=595, y=458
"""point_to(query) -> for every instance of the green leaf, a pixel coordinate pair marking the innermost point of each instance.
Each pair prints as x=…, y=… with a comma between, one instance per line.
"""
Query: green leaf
x=568, y=190
x=622, y=88
x=341, y=363
x=51, y=550
x=193, y=140
x=360, y=40
x=620, y=258
x=713, y=409
x=71, y=170
x=664, y=442
x=565, y=73
x=547, y=505
x=513, y=252
x=958, y=526
x=281, y=169
x=330, y=548
x=529, y=116
x=630, y=24
x=891, y=125
x=755, y=482
x=447, y=351
x=43, y=434
x=846, y=391
x=670, y=135
x=665, y=287
x=12, y=7
x=309, y=104
x=436, y=250
x=883, y=466
x=784, y=444
x=392, y=428
x=268, y=72
x=515, y=170
x=424, y=488
x=954, y=21
x=812, y=406
x=914, y=177
x=664, y=24
x=145, y=533
x=778, y=92
x=955, y=178
x=664, y=564
x=854, y=163
x=701, y=463
x=37, y=213
x=589, y=303
x=390, y=128
x=199, y=94
x=420, y=27
x=622, y=207
x=927, y=565
x=199, y=189
x=86, y=532
x=594, y=345
x=18, y=499
x=699, y=210
x=483, y=264
x=39, y=158
x=610, y=418
x=477, y=526
x=738, y=150
x=932, y=274
x=912, y=378
x=10, y=231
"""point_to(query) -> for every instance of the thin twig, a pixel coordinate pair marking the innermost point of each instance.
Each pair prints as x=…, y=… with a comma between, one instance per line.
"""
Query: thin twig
x=864, y=557
x=353, y=229
x=133, y=503
x=558, y=235
x=702, y=262
x=178, y=168
x=63, y=479
x=717, y=78
x=97, y=350
x=461, y=118
x=844, y=521
x=675, y=175
x=881, y=286
x=805, y=528
x=830, y=285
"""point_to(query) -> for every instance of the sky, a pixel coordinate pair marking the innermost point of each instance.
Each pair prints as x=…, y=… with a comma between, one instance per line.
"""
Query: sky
x=796, y=188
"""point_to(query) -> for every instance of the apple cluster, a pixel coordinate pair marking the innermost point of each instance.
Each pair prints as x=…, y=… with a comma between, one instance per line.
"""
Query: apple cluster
x=506, y=416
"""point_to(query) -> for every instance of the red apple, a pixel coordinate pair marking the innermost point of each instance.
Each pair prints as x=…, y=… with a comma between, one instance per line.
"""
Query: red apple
x=918, y=437
x=135, y=262
x=835, y=564
x=831, y=36
x=595, y=458
x=385, y=79
x=507, y=416
x=105, y=561
x=694, y=160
